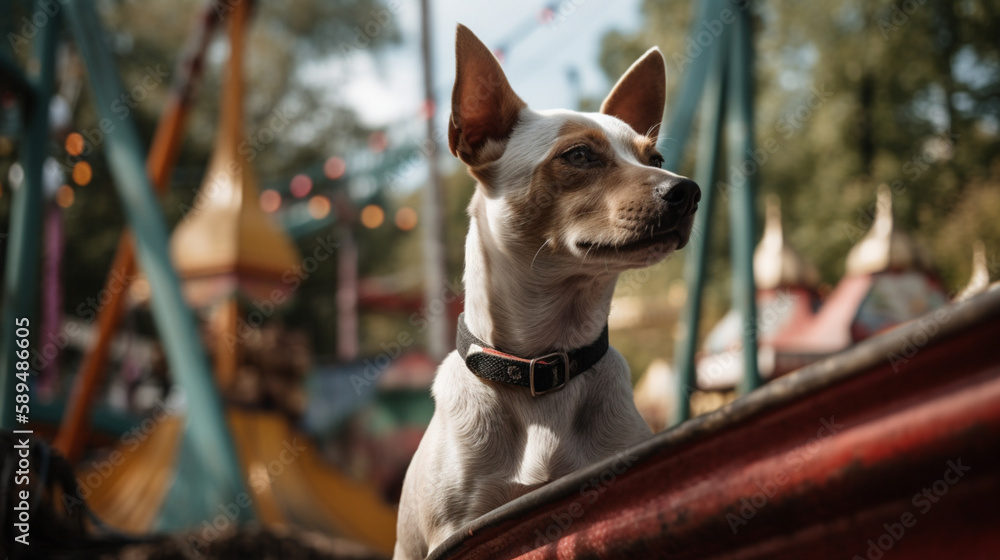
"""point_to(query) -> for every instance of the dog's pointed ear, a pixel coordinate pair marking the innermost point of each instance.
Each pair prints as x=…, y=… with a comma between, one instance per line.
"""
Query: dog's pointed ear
x=640, y=94
x=483, y=105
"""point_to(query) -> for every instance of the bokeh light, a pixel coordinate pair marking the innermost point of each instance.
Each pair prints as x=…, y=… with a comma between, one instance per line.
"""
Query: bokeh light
x=334, y=168
x=301, y=185
x=427, y=109
x=65, y=196
x=16, y=175
x=406, y=218
x=372, y=216
x=270, y=200
x=319, y=207
x=377, y=141
x=139, y=289
x=82, y=173
x=74, y=144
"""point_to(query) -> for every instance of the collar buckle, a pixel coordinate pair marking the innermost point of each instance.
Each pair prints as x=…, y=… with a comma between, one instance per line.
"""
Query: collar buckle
x=555, y=373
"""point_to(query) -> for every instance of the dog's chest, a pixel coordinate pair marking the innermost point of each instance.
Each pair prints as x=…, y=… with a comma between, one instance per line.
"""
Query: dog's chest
x=510, y=463
x=527, y=442
x=489, y=444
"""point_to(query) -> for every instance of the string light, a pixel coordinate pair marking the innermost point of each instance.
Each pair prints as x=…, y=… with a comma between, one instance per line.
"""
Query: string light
x=270, y=200
x=427, y=109
x=300, y=186
x=65, y=196
x=334, y=168
x=372, y=216
x=82, y=173
x=74, y=144
x=319, y=207
x=377, y=141
x=406, y=218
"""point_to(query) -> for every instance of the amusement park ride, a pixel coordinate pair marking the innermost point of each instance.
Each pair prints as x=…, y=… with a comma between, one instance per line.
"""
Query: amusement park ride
x=225, y=251
x=833, y=459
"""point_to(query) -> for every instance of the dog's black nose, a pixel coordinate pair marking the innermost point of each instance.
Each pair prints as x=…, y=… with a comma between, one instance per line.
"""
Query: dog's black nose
x=681, y=195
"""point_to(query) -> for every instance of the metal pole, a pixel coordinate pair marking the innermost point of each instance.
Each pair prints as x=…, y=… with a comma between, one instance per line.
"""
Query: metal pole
x=21, y=274
x=674, y=138
x=347, y=282
x=710, y=130
x=742, y=175
x=439, y=339
x=207, y=437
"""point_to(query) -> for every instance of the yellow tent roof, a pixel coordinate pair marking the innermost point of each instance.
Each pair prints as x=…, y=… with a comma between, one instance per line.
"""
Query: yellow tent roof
x=226, y=234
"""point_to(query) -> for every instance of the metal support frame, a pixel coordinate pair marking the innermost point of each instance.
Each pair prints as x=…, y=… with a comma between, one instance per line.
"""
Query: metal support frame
x=739, y=138
x=209, y=450
x=724, y=88
x=21, y=274
x=706, y=170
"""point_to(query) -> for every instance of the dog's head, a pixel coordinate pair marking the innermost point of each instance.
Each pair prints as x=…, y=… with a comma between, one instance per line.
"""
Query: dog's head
x=585, y=186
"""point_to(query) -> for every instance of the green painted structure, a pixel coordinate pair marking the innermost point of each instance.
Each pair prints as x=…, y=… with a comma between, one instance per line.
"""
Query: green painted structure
x=722, y=90
x=208, y=475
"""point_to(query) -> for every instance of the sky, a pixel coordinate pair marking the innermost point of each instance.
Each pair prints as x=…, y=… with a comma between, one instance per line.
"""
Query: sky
x=389, y=88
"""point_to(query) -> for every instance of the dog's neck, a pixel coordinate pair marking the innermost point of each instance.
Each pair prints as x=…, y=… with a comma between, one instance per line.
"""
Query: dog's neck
x=521, y=303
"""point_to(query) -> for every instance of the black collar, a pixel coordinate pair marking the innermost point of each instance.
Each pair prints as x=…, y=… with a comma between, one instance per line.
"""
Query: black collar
x=542, y=374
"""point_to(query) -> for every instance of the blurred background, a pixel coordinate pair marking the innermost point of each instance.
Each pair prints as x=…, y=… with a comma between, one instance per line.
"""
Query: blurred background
x=861, y=108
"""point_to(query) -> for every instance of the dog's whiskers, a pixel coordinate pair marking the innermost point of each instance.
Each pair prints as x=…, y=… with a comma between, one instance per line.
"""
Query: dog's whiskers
x=544, y=243
x=584, y=260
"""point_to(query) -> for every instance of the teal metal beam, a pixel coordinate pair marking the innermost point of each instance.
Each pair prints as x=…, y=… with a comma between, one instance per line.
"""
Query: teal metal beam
x=7, y=24
x=16, y=80
x=675, y=133
x=214, y=477
x=710, y=136
x=742, y=176
x=21, y=273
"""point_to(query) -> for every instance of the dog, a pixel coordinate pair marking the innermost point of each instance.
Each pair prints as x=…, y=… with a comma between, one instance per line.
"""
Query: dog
x=564, y=202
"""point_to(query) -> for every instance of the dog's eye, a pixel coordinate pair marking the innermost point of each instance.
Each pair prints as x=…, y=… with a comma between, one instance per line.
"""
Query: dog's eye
x=581, y=156
x=656, y=161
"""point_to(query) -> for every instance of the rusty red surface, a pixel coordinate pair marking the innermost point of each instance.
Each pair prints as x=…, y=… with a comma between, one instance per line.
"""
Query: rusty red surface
x=889, y=450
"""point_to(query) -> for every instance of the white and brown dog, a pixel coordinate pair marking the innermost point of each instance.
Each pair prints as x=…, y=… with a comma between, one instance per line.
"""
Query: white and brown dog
x=565, y=202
